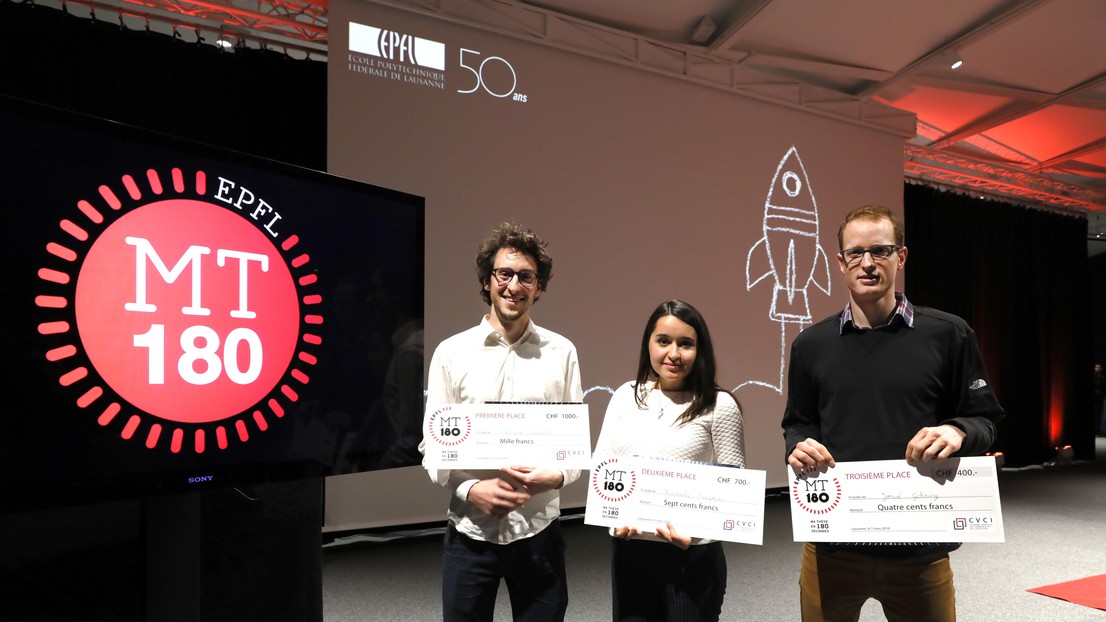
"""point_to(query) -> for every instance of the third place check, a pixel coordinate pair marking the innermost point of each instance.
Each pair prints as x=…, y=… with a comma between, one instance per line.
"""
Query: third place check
x=700, y=500
x=954, y=500
x=490, y=436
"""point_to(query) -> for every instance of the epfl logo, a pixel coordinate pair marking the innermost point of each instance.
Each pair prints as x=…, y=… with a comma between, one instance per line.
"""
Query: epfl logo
x=395, y=46
x=172, y=308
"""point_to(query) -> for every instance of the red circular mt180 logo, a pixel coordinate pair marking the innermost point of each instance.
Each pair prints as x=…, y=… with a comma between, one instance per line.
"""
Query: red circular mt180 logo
x=613, y=482
x=448, y=428
x=816, y=495
x=177, y=310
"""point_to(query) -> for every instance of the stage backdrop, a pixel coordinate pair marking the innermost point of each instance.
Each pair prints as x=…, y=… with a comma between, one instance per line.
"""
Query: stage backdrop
x=646, y=188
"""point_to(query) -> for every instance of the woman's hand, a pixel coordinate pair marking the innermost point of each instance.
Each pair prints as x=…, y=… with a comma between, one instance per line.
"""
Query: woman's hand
x=672, y=536
x=626, y=532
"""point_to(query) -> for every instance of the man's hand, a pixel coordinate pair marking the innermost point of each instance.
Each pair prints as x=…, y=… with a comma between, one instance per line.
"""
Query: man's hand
x=534, y=481
x=672, y=536
x=810, y=454
x=936, y=443
x=496, y=497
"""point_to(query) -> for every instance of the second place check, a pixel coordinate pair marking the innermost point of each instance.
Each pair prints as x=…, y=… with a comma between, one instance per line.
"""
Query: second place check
x=700, y=500
x=490, y=436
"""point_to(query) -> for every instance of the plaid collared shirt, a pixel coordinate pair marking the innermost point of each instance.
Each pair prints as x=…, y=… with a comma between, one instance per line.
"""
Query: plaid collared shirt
x=903, y=309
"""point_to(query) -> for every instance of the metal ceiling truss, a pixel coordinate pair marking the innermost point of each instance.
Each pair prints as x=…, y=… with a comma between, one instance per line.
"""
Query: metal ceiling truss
x=1016, y=110
x=688, y=63
x=984, y=27
x=299, y=25
x=978, y=177
x=303, y=25
x=922, y=165
x=306, y=20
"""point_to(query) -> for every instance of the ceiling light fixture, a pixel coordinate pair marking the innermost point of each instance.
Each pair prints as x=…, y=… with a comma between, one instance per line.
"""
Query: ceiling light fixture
x=952, y=59
x=704, y=30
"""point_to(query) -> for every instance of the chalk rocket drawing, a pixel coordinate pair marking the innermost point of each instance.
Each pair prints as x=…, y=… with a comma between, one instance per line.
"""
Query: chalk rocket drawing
x=789, y=252
x=604, y=389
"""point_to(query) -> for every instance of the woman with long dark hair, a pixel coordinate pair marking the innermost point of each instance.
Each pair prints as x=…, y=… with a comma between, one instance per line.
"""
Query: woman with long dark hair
x=673, y=409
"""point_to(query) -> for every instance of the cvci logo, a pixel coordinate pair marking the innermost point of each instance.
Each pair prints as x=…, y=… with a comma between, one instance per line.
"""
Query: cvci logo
x=178, y=310
x=973, y=522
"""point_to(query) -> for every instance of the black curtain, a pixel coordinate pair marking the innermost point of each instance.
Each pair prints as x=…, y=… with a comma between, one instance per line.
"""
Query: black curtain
x=260, y=102
x=1098, y=296
x=258, y=550
x=1021, y=278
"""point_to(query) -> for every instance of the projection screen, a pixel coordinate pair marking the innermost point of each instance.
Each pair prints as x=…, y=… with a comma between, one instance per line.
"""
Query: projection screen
x=646, y=186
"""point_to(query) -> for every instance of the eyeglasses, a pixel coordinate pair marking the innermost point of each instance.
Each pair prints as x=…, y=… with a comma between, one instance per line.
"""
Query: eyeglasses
x=526, y=278
x=879, y=252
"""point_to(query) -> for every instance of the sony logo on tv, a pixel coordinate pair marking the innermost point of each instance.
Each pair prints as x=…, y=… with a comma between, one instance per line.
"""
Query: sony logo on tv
x=199, y=479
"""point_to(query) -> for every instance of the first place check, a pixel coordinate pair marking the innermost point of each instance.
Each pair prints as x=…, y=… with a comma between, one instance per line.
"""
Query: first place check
x=953, y=500
x=491, y=436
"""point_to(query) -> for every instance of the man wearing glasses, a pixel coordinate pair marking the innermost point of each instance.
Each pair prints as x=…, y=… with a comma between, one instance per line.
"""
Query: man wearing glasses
x=883, y=380
x=503, y=524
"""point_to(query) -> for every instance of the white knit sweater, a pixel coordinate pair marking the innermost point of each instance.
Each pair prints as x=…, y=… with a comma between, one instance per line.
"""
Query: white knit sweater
x=628, y=429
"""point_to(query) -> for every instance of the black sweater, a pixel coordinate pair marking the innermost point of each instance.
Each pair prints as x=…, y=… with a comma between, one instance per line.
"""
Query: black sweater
x=865, y=393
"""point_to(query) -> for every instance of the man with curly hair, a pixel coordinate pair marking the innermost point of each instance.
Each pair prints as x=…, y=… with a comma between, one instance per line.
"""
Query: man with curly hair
x=503, y=524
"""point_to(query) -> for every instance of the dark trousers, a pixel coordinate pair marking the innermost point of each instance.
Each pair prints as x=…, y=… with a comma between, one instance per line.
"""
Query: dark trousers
x=658, y=581
x=533, y=568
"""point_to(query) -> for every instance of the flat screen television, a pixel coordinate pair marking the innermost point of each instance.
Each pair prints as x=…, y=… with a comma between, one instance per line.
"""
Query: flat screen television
x=183, y=317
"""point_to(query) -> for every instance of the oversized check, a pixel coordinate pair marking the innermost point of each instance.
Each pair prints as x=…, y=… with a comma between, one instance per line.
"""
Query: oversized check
x=490, y=436
x=954, y=500
x=700, y=500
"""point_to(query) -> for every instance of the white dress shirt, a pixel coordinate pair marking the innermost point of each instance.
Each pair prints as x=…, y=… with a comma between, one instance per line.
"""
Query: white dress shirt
x=478, y=366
